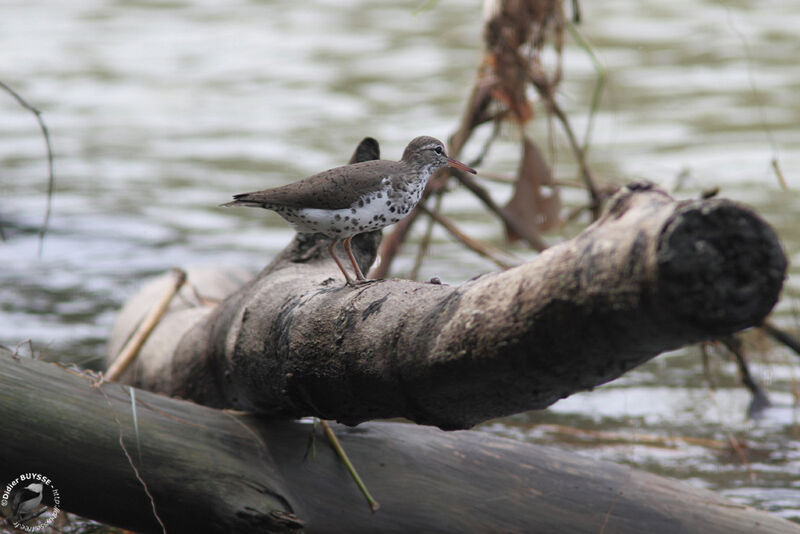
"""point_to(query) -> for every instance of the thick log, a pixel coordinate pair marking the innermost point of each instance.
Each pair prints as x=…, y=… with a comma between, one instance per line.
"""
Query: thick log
x=652, y=274
x=219, y=471
x=203, y=467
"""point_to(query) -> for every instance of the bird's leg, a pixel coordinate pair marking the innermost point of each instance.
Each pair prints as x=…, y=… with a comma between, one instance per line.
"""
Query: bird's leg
x=359, y=275
x=341, y=267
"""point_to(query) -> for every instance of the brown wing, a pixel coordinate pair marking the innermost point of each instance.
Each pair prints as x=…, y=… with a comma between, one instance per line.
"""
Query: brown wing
x=335, y=188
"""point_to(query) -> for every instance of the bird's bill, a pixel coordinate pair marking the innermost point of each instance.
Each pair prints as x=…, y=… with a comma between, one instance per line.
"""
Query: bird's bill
x=458, y=165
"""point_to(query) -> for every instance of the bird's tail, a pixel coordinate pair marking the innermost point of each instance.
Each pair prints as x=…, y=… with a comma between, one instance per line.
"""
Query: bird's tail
x=243, y=199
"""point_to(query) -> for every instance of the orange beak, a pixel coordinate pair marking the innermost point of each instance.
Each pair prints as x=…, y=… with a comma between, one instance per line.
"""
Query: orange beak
x=458, y=165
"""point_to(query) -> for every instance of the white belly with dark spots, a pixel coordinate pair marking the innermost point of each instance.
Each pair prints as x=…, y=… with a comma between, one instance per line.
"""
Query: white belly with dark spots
x=376, y=211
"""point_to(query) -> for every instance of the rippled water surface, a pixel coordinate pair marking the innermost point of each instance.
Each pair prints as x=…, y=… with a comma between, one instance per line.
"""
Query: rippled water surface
x=160, y=110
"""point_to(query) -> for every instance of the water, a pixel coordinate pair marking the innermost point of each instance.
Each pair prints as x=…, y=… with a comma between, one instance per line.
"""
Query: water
x=160, y=110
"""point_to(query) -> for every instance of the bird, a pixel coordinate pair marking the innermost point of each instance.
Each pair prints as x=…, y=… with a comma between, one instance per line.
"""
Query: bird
x=361, y=197
x=25, y=501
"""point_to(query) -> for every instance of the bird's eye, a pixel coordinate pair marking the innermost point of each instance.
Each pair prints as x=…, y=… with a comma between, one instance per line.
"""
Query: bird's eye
x=438, y=150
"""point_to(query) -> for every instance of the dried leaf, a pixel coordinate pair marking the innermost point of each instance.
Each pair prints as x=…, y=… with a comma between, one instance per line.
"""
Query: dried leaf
x=536, y=203
x=514, y=34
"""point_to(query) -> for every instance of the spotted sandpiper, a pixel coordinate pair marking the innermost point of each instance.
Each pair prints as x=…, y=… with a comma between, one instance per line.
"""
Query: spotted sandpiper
x=346, y=201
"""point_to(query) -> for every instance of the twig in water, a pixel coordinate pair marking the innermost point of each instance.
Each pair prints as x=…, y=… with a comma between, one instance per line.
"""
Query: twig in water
x=487, y=145
x=28, y=342
x=134, y=344
x=373, y=504
x=580, y=155
x=576, y=12
x=734, y=443
x=51, y=175
x=201, y=300
x=760, y=398
x=782, y=336
x=532, y=238
x=777, y=168
x=483, y=249
x=598, y=88
x=751, y=78
x=651, y=440
x=739, y=450
x=501, y=178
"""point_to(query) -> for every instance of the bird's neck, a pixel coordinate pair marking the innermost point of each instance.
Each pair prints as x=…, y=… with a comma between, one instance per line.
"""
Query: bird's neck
x=421, y=173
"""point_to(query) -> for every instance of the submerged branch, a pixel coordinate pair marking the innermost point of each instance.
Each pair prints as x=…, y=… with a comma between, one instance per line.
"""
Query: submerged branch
x=50, y=173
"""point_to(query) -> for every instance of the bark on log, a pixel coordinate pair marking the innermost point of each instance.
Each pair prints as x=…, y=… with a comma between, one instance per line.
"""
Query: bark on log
x=204, y=468
x=650, y=275
x=219, y=471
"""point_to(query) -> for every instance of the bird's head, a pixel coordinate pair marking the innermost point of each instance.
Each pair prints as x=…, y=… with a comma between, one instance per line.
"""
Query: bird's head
x=426, y=152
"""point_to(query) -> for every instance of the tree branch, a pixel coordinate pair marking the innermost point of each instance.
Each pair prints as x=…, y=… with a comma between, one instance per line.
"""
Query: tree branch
x=651, y=275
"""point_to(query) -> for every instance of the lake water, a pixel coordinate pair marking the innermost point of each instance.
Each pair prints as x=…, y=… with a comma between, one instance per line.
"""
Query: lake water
x=159, y=110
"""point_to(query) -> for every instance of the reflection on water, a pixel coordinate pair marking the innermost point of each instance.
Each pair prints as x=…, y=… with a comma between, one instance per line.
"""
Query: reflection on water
x=159, y=111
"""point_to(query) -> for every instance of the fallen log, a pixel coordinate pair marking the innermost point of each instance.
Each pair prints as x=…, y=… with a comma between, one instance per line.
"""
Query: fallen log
x=205, y=470
x=212, y=470
x=652, y=274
